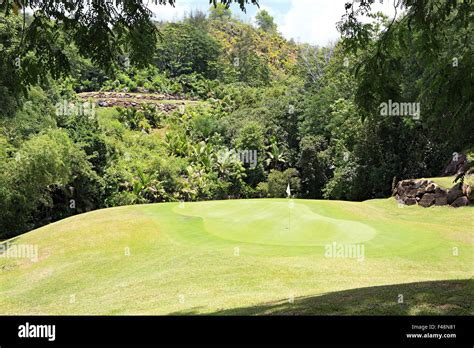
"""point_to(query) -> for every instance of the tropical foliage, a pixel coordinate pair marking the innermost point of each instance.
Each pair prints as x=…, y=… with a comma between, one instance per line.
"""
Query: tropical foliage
x=249, y=112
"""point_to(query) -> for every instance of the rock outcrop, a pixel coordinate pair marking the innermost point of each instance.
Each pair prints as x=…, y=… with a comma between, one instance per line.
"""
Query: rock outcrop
x=164, y=102
x=455, y=165
x=427, y=193
x=461, y=202
x=454, y=193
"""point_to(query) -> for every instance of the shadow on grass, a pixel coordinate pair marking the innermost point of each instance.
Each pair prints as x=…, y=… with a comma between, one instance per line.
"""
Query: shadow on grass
x=446, y=297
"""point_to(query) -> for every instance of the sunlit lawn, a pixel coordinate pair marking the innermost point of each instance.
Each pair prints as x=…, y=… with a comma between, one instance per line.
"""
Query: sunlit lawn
x=247, y=257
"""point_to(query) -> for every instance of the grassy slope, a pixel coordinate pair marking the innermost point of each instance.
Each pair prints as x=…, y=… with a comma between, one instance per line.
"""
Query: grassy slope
x=183, y=260
x=448, y=181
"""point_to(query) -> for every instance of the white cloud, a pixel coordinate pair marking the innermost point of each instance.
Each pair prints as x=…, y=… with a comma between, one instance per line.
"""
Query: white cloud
x=169, y=13
x=314, y=21
x=277, y=16
x=183, y=7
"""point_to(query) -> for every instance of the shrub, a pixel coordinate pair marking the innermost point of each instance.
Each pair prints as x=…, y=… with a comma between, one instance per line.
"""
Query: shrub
x=278, y=182
x=133, y=119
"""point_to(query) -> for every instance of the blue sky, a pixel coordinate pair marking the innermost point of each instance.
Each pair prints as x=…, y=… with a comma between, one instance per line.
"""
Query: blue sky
x=311, y=21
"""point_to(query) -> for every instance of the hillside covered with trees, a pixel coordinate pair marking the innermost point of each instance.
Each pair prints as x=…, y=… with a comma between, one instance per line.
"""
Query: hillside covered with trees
x=220, y=109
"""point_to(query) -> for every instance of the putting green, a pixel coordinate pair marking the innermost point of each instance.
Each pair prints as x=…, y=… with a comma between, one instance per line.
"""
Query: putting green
x=246, y=257
x=276, y=223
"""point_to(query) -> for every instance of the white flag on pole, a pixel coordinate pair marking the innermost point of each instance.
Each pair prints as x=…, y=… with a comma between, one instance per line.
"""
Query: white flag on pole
x=288, y=190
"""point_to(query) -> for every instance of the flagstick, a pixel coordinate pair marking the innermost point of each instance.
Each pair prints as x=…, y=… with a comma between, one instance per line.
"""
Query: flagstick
x=289, y=218
x=288, y=192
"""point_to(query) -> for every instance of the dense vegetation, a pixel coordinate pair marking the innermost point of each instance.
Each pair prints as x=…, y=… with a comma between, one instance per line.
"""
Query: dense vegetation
x=309, y=114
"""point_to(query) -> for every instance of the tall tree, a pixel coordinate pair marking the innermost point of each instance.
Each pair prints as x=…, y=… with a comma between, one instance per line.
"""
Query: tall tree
x=437, y=73
x=220, y=12
x=184, y=49
x=265, y=21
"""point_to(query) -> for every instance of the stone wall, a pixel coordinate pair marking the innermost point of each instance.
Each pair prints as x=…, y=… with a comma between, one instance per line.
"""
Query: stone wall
x=427, y=193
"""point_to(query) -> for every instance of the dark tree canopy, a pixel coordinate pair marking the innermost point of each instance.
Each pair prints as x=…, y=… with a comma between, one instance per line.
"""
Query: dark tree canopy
x=441, y=30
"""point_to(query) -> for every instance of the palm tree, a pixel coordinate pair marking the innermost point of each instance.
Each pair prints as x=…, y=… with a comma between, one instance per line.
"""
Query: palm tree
x=177, y=144
x=202, y=154
x=227, y=164
x=275, y=156
x=147, y=187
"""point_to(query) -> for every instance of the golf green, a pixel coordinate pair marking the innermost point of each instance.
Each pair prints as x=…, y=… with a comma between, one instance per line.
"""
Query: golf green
x=268, y=256
x=276, y=223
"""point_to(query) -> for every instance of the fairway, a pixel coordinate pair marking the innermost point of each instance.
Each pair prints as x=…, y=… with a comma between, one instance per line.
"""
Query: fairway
x=246, y=257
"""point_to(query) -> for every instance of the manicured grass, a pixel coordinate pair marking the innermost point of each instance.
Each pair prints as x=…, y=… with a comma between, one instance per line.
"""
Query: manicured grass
x=448, y=181
x=247, y=257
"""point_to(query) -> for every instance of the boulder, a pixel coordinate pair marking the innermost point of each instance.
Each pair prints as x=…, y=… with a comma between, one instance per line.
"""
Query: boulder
x=431, y=188
x=427, y=200
x=460, y=202
x=441, y=196
x=409, y=188
x=454, y=193
x=412, y=192
x=439, y=191
x=468, y=191
x=420, y=193
x=427, y=193
x=455, y=164
x=422, y=183
x=406, y=183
